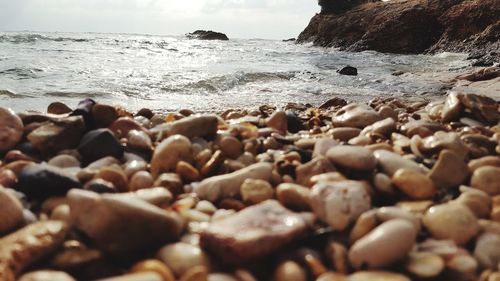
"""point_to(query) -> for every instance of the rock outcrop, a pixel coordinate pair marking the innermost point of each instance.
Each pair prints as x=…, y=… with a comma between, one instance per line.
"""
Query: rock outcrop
x=409, y=27
x=207, y=35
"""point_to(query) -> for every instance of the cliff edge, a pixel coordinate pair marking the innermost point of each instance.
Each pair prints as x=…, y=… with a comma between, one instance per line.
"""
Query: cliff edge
x=409, y=27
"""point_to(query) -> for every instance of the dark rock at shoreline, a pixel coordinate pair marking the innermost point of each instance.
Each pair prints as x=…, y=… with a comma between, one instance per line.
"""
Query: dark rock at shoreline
x=348, y=70
x=207, y=35
x=43, y=181
x=289, y=40
x=98, y=144
x=410, y=26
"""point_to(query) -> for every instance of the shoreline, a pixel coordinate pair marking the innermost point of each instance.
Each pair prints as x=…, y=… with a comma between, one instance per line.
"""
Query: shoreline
x=334, y=192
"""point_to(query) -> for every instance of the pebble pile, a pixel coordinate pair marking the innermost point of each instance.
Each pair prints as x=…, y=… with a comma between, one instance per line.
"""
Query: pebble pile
x=391, y=190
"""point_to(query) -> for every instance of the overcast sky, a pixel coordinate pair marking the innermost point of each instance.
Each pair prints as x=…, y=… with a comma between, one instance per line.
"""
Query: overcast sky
x=275, y=19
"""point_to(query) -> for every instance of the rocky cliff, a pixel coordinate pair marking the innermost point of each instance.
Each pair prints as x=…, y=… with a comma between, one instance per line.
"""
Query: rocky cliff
x=409, y=27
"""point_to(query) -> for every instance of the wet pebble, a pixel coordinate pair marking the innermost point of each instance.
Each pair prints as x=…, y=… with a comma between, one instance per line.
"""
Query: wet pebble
x=451, y=221
x=169, y=152
x=487, y=179
x=355, y=115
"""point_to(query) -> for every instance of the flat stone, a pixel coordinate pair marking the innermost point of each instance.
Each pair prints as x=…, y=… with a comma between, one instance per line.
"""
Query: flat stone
x=484, y=161
x=46, y=275
x=345, y=134
x=452, y=221
x=104, y=115
x=424, y=264
x=321, y=146
x=254, y=191
x=377, y=276
x=228, y=185
x=484, y=109
x=42, y=181
x=413, y=184
x=11, y=129
x=278, y=121
x=442, y=140
x=294, y=196
x=355, y=115
x=487, y=179
x=123, y=125
x=390, y=162
x=339, y=203
x=55, y=136
x=64, y=161
x=355, y=158
x=384, y=128
x=449, y=171
x=190, y=127
x=252, y=233
x=386, y=244
x=139, y=140
x=98, y=144
x=118, y=224
x=58, y=108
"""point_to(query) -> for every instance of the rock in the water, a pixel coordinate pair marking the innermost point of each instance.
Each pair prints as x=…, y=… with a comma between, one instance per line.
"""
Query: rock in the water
x=11, y=211
x=253, y=232
x=57, y=135
x=228, y=185
x=355, y=158
x=386, y=244
x=355, y=115
x=98, y=144
x=207, y=35
x=451, y=221
x=122, y=225
x=339, y=203
x=348, y=70
x=487, y=179
x=169, y=152
x=43, y=181
x=11, y=129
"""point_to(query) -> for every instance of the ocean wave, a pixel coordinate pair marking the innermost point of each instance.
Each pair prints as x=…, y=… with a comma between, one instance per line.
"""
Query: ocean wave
x=12, y=95
x=23, y=72
x=34, y=38
x=230, y=81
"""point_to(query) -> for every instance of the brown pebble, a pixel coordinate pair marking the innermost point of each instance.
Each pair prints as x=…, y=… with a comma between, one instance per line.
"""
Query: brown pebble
x=140, y=180
x=104, y=115
x=254, y=191
x=116, y=176
x=414, y=184
x=451, y=221
x=187, y=171
x=170, y=151
x=352, y=158
x=289, y=271
x=424, y=265
x=449, y=171
x=197, y=273
x=231, y=147
x=294, y=196
x=46, y=275
x=377, y=276
x=487, y=179
x=11, y=129
x=11, y=211
x=58, y=108
x=154, y=265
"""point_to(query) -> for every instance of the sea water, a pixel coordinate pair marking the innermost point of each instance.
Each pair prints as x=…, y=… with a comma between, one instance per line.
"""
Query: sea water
x=173, y=72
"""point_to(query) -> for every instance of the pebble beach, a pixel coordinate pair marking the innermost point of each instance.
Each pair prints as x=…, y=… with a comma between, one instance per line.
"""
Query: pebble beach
x=390, y=189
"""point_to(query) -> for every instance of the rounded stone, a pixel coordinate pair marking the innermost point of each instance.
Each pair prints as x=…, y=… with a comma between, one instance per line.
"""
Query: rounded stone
x=255, y=191
x=289, y=271
x=278, y=121
x=414, y=184
x=141, y=180
x=116, y=176
x=104, y=115
x=390, y=162
x=231, y=147
x=58, y=108
x=377, y=276
x=11, y=129
x=487, y=250
x=123, y=125
x=484, y=161
x=153, y=265
x=383, y=246
x=187, y=171
x=424, y=264
x=170, y=151
x=352, y=157
x=11, y=211
x=449, y=171
x=487, y=179
x=180, y=257
x=339, y=203
x=46, y=275
x=355, y=115
x=451, y=221
x=139, y=140
x=64, y=161
x=294, y=196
